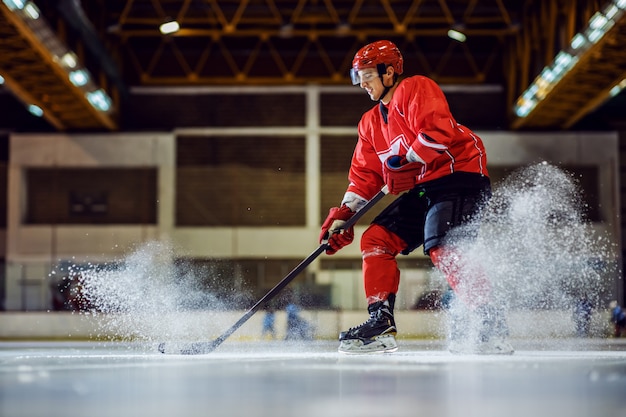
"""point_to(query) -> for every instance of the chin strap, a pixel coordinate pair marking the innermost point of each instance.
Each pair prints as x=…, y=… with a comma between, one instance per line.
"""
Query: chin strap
x=381, y=71
x=383, y=109
x=385, y=91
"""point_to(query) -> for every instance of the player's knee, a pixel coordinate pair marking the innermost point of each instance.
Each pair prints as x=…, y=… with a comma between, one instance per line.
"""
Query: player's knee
x=445, y=261
x=377, y=239
x=443, y=258
x=436, y=256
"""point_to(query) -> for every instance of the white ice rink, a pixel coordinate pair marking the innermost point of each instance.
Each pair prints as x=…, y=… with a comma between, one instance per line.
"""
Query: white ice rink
x=560, y=378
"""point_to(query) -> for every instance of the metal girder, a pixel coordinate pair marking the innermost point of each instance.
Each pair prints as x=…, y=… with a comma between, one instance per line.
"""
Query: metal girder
x=585, y=86
x=32, y=74
x=303, y=41
x=256, y=42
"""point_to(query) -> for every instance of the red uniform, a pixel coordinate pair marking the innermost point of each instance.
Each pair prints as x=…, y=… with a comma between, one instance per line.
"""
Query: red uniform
x=414, y=147
x=419, y=125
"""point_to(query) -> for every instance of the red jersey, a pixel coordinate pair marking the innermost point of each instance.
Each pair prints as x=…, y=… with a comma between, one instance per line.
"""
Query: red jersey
x=419, y=126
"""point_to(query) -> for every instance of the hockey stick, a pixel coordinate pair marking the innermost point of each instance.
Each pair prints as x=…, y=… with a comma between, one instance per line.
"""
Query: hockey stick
x=198, y=348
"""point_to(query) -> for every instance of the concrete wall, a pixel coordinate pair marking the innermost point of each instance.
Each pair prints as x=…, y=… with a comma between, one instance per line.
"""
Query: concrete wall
x=44, y=243
x=32, y=251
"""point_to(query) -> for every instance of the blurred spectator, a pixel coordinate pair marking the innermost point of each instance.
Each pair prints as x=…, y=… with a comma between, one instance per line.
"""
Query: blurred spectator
x=618, y=318
x=297, y=327
x=268, y=323
x=582, y=316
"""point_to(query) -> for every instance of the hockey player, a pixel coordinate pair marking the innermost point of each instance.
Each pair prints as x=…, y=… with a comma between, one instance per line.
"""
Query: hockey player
x=411, y=142
x=618, y=318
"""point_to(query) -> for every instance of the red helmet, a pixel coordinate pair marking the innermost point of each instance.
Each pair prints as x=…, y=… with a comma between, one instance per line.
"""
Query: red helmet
x=374, y=54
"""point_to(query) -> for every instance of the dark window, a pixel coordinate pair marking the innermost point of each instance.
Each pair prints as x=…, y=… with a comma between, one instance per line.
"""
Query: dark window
x=341, y=109
x=586, y=179
x=216, y=110
x=240, y=181
x=240, y=283
x=336, y=155
x=91, y=196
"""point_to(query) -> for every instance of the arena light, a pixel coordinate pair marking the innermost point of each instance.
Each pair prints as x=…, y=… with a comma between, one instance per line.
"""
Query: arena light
x=35, y=110
x=169, y=27
x=579, y=41
x=343, y=27
x=31, y=10
x=69, y=59
x=99, y=100
x=565, y=60
x=618, y=88
x=79, y=77
x=14, y=4
x=457, y=35
x=286, y=30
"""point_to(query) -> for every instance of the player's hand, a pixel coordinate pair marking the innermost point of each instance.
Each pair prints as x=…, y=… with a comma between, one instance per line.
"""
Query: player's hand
x=401, y=175
x=333, y=230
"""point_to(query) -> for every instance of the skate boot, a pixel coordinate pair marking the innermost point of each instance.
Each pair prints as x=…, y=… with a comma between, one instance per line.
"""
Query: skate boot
x=459, y=338
x=482, y=332
x=376, y=335
x=493, y=332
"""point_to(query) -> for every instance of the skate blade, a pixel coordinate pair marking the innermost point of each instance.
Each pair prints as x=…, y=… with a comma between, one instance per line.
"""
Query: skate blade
x=500, y=349
x=497, y=347
x=381, y=344
x=189, y=348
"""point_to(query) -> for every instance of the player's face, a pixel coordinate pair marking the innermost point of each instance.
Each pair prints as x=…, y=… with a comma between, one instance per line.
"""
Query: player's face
x=370, y=82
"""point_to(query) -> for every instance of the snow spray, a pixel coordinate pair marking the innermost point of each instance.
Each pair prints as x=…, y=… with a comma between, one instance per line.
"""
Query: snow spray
x=537, y=250
x=145, y=297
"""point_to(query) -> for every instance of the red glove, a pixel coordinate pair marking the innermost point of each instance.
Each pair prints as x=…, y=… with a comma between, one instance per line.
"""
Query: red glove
x=401, y=175
x=333, y=231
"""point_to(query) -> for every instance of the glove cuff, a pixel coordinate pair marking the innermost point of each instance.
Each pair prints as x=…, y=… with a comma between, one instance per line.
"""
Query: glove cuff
x=341, y=213
x=396, y=162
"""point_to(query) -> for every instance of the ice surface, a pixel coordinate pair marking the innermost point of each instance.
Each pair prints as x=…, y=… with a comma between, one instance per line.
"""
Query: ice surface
x=280, y=379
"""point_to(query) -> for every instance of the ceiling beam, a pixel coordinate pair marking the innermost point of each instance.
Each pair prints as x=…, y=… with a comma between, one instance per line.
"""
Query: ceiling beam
x=586, y=85
x=34, y=76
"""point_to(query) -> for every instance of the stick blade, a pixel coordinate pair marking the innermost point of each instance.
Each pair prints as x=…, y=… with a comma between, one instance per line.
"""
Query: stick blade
x=194, y=348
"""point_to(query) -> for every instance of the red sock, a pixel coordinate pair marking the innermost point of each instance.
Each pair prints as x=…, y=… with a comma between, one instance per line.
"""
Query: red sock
x=466, y=279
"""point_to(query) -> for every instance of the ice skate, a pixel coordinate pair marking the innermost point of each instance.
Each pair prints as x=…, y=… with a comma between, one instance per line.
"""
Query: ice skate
x=491, y=338
x=492, y=346
x=495, y=345
x=376, y=335
x=459, y=340
x=493, y=332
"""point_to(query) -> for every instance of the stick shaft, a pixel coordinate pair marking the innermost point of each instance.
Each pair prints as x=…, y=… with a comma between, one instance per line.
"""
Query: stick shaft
x=205, y=347
x=271, y=294
x=296, y=271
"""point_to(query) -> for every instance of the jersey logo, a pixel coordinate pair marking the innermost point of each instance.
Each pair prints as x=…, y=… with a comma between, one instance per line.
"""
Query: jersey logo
x=398, y=146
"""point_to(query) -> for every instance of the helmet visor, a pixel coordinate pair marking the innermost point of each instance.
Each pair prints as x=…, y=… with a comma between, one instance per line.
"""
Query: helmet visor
x=354, y=76
x=363, y=76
